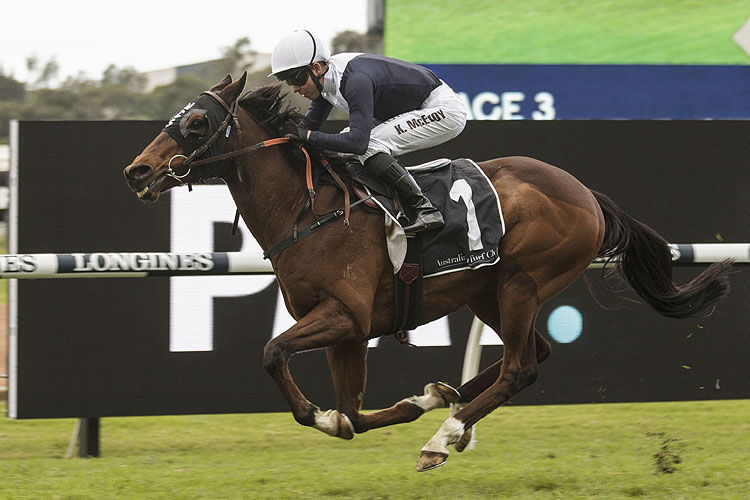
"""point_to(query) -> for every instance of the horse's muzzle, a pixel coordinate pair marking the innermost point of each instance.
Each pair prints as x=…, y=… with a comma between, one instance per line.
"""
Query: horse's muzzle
x=138, y=173
x=143, y=182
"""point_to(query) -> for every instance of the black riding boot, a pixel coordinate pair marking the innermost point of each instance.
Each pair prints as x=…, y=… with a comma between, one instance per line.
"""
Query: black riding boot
x=427, y=217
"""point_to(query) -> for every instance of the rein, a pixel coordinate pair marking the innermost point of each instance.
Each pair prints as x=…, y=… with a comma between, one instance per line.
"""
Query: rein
x=308, y=170
x=249, y=149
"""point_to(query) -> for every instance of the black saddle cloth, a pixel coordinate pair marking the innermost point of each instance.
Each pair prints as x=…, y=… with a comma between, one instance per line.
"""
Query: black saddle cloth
x=469, y=204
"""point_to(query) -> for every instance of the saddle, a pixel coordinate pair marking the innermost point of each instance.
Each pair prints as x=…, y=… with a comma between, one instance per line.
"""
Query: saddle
x=469, y=240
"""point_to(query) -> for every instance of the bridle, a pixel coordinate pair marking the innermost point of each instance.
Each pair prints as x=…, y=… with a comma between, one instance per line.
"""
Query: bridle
x=225, y=128
x=180, y=135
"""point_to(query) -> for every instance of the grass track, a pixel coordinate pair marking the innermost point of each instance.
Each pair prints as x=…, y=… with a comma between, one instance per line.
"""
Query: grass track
x=576, y=451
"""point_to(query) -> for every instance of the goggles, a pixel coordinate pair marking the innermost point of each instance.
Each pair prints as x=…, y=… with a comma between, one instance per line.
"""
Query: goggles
x=295, y=76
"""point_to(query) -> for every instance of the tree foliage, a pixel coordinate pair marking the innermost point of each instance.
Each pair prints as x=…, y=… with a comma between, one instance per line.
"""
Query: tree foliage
x=168, y=99
x=120, y=93
x=10, y=89
x=351, y=41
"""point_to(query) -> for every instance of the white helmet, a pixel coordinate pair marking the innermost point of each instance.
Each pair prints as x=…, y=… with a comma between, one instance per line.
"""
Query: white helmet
x=298, y=48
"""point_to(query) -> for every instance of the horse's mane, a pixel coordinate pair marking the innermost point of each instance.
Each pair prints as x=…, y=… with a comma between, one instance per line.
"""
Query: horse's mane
x=268, y=106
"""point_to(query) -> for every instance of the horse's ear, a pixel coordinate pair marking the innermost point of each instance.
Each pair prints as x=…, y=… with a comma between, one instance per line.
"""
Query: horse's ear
x=232, y=91
x=220, y=86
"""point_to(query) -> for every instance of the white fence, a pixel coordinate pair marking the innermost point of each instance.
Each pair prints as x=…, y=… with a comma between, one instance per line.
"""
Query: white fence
x=160, y=264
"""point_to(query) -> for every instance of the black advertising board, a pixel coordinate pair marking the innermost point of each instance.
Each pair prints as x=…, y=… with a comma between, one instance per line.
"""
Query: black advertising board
x=107, y=347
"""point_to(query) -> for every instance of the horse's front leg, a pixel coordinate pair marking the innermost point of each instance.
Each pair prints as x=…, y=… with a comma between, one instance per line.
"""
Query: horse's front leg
x=348, y=363
x=329, y=323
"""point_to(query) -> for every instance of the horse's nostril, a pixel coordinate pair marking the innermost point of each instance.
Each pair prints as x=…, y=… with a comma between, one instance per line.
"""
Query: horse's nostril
x=137, y=172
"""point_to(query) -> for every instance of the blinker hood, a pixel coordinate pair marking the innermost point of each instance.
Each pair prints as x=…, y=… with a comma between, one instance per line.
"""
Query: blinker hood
x=218, y=119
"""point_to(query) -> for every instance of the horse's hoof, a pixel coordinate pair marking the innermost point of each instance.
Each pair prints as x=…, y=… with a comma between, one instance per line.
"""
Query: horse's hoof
x=462, y=443
x=346, y=429
x=442, y=390
x=429, y=460
x=334, y=423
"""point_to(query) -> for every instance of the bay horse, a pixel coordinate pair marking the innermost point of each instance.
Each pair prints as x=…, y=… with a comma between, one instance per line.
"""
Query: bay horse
x=338, y=283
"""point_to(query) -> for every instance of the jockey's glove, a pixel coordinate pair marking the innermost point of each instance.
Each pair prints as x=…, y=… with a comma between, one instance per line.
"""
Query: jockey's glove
x=297, y=135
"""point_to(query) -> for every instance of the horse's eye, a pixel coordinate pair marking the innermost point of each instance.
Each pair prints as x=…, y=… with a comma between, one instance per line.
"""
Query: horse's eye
x=198, y=122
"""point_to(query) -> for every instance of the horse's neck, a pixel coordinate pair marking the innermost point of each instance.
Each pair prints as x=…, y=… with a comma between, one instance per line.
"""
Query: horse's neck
x=267, y=190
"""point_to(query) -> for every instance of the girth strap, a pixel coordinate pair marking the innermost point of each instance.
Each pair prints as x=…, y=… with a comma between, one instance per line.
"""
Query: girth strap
x=407, y=291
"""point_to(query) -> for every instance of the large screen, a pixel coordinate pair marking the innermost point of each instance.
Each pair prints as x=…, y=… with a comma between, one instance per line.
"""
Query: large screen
x=565, y=32
x=546, y=60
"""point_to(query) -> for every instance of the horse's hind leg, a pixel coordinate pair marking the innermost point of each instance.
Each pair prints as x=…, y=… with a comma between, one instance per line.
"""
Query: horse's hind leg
x=487, y=311
x=349, y=372
x=519, y=305
x=474, y=387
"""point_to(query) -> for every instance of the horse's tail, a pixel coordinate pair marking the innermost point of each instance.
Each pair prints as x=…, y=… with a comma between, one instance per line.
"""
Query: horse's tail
x=645, y=259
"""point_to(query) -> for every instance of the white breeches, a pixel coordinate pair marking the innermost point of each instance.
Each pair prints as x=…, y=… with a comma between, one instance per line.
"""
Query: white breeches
x=441, y=118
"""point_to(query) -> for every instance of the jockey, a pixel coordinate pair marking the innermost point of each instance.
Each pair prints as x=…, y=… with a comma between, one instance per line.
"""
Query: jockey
x=394, y=108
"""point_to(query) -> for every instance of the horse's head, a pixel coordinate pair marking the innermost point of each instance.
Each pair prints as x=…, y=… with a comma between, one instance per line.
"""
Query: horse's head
x=202, y=127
